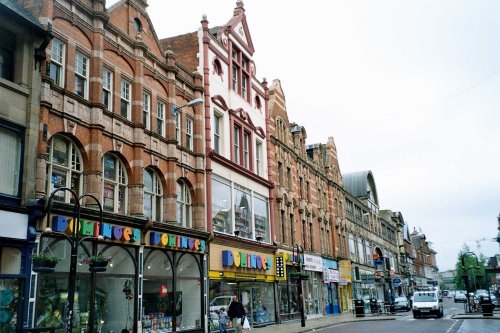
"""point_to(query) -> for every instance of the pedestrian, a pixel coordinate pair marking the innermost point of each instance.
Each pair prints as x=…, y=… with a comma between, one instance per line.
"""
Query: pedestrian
x=223, y=319
x=236, y=313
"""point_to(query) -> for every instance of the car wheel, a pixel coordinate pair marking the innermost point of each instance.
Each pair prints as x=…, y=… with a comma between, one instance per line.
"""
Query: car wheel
x=416, y=316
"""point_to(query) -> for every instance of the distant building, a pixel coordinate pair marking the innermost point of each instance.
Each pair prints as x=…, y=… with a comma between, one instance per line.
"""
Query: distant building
x=447, y=279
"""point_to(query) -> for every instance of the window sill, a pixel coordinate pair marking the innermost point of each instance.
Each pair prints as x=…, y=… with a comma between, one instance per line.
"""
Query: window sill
x=14, y=87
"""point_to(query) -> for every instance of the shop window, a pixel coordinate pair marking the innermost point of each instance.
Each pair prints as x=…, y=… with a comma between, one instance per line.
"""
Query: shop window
x=12, y=140
x=107, y=89
x=243, y=213
x=188, y=293
x=7, y=53
x=115, y=291
x=158, y=291
x=184, y=208
x=64, y=168
x=258, y=300
x=57, y=62
x=153, y=201
x=221, y=207
x=114, y=185
x=11, y=296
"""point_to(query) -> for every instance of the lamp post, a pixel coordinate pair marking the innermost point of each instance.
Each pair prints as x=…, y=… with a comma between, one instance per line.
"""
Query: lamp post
x=74, y=241
x=465, y=276
x=174, y=109
x=297, y=252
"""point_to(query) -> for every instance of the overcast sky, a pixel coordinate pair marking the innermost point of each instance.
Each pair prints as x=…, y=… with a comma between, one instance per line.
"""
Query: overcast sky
x=408, y=89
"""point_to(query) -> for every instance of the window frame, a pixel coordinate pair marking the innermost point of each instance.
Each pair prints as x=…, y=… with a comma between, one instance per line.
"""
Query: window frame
x=161, y=107
x=107, y=88
x=240, y=73
x=82, y=73
x=178, y=124
x=156, y=194
x=20, y=133
x=74, y=167
x=146, y=109
x=7, y=54
x=189, y=133
x=59, y=64
x=126, y=88
x=184, y=204
x=258, y=157
x=217, y=122
x=120, y=180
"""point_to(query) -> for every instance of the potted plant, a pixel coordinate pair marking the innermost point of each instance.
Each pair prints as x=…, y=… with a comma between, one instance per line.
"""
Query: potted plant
x=44, y=262
x=97, y=263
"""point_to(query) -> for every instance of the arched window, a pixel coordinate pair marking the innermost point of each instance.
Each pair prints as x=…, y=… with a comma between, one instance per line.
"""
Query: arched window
x=153, y=192
x=115, y=182
x=184, y=210
x=218, y=68
x=64, y=168
x=258, y=104
x=137, y=25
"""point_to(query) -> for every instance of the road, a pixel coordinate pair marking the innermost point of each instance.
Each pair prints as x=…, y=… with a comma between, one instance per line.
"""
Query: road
x=406, y=323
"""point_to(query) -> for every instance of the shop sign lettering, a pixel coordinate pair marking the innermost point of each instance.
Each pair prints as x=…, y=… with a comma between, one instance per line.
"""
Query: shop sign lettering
x=246, y=260
x=93, y=228
x=178, y=242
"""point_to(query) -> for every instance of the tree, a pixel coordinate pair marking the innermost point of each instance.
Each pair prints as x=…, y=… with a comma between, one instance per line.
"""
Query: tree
x=470, y=270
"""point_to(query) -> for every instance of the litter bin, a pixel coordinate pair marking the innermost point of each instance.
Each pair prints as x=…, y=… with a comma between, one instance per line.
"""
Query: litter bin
x=359, y=308
x=487, y=309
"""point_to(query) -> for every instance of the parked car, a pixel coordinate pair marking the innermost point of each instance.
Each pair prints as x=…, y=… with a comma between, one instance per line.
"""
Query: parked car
x=401, y=303
x=460, y=297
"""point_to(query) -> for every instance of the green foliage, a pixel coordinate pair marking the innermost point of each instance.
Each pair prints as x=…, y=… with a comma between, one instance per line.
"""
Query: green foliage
x=470, y=271
x=45, y=257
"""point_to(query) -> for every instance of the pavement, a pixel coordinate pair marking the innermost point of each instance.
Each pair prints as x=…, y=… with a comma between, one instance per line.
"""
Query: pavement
x=318, y=323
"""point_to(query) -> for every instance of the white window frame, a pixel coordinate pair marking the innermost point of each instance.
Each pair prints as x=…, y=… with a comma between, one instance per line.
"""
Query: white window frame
x=58, y=56
x=246, y=149
x=12, y=146
x=107, y=88
x=73, y=168
x=184, y=208
x=258, y=158
x=126, y=96
x=118, y=182
x=189, y=133
x=178, y=122
x=146, y=109
x=236, y=143
x=160, y=117
x=156, y=195
x=218, y=121
x=82, y=73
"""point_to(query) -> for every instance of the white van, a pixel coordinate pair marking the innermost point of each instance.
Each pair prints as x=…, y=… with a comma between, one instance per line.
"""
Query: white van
x=427, y=303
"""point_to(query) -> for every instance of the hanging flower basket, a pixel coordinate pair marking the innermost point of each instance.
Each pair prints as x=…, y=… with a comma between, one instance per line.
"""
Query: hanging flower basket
x=97, y=263
x=44, y=263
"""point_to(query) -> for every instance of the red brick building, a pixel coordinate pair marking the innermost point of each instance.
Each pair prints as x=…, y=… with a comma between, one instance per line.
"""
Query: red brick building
x=113, y=128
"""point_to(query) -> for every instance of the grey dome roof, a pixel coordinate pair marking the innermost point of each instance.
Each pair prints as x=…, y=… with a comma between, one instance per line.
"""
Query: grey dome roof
x=361, y=184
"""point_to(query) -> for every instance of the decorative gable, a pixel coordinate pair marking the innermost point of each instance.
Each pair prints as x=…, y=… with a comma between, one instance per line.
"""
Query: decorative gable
x=237, y=27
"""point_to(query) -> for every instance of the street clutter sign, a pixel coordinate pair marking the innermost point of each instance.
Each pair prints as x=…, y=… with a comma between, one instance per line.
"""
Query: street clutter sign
x=313, y=263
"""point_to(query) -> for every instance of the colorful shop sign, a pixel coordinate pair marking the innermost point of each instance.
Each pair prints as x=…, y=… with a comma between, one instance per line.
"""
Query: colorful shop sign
x=290, y=258
x=94, y=228
x=246, y=260
x=175, y=241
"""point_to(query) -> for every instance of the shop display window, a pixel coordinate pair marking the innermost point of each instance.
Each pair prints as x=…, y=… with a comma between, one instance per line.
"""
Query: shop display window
x=188, y=293
x=243, y=213
x=261, y=219
x=10, y=296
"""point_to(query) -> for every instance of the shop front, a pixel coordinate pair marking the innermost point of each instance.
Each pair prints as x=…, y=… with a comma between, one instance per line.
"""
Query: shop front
x=15, y=247
x=313, y=287
x=152, y=283
x=249, y=274
x=345, y=285
x=288, y=290
x=331, y=279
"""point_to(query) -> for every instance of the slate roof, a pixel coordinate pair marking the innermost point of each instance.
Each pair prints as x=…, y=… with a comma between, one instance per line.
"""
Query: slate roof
x=21, y=12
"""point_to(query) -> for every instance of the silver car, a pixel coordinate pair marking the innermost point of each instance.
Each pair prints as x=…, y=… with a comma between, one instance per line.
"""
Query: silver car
x=401, y=303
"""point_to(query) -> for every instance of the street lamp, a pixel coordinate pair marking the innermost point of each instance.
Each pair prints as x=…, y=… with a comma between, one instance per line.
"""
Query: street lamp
x=174, y=109
x=465, y=276
x=74, y=241
x=297, y=252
